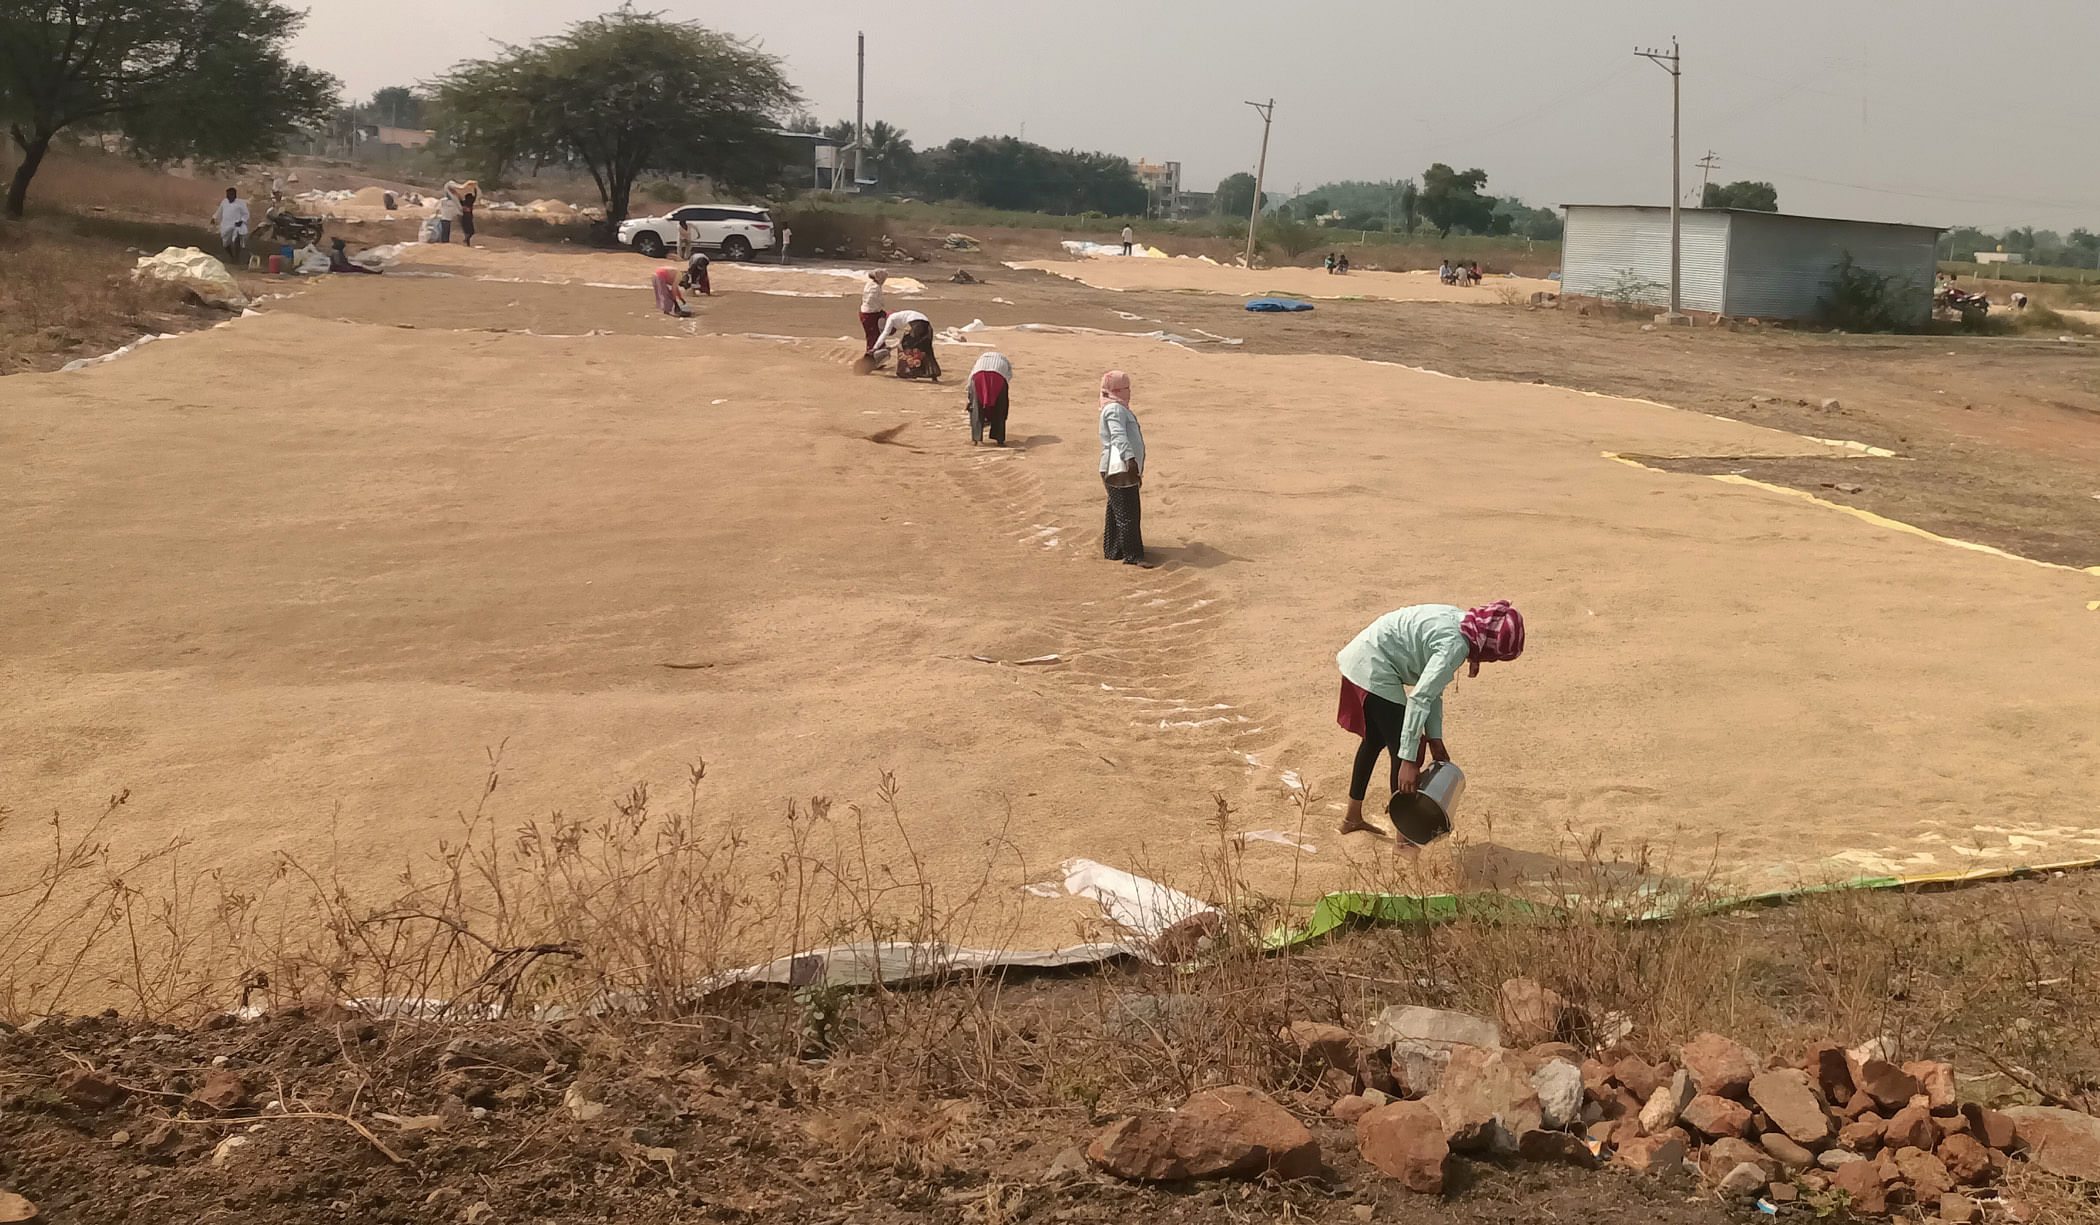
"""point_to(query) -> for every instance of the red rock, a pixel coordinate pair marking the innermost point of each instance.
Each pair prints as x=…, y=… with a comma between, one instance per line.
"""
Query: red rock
x=1861, y=1102
x=1960, y=1209
x=1530, y=1013
x=223, y=1090
x=1351, y=1108
x=1227, y=1132
x=1785, y=1151
x=1862, y=1182
x=1555, y=1147
x=1596, y=1080
x=1651, y=1154
x=1641, y=1078
x=1546, y=1052
x=1886, y=1083
x=1935, y=1080
x=2062, y=1142
x=1338, y=1083
x=1911, y=1127
x=89, y=1089
x=1826, y=1062
x=1926, y=1174
x=1487, y=1099
x=1715, y=1117
x=1405, y=1140
x=1322, y=1047
x=1720, y=1067
x=1951, y=1124
x=1725, y=1154
x=1782, y=1193
x=1995, y=1130
x=1788, y=1097
x=1965, y=1159
x=1863, y=1134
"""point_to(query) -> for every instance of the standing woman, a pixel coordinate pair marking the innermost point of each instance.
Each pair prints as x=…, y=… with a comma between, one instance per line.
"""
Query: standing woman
x=871, y=312
x=1122, y=471
x=468, y=193
x=989, y=380
x=1419, y=646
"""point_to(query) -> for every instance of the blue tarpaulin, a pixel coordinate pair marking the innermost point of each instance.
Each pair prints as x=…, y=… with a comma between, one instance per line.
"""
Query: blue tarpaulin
x=1278, y=304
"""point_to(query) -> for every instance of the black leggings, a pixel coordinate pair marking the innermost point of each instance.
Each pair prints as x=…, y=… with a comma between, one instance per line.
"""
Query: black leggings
x=1383, y=724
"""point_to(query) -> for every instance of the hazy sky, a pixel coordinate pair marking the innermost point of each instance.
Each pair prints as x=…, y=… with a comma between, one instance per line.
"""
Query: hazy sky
x=1935, y=111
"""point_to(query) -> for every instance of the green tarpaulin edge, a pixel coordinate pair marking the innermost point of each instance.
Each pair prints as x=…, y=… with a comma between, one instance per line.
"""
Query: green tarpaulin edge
x=1333, y=911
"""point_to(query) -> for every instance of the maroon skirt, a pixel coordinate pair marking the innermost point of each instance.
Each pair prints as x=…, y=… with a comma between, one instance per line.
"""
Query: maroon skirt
x=1351, y=713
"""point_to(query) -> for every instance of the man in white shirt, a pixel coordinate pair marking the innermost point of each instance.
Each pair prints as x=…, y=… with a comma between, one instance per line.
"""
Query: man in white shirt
x=232, y=219
x=1129, y=240
x=448, y=212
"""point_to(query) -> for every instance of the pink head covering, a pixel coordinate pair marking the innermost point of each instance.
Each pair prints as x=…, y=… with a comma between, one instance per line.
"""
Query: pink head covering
x=1496, y=632
x=879, y=276
x=1115, y=388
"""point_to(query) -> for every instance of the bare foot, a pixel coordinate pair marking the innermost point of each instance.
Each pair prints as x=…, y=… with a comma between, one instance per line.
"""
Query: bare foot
x=1408, y=851
x=1357, y=825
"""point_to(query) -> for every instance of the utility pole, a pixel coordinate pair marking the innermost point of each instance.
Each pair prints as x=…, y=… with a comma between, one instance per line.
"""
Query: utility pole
x=1671, y=63
x=1261, y=171
x=860, y=114
x=1706, y=171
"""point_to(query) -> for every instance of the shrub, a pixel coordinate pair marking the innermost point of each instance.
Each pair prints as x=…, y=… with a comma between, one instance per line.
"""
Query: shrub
x=664, y=191
x=1858, y=299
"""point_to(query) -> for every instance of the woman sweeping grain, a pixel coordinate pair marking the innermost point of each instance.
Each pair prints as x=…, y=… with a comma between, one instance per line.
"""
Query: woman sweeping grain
x=668, y=299
x=871, y=312
x=1419, y=647
x=1122, y=472
x=990, y=380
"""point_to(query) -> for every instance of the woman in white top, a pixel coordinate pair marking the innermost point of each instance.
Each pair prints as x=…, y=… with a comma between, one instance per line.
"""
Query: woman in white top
x=871, y=311
x=1122, y=472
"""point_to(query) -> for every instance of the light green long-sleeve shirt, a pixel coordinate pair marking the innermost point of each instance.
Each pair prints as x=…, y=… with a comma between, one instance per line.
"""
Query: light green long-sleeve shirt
x=1419, y=646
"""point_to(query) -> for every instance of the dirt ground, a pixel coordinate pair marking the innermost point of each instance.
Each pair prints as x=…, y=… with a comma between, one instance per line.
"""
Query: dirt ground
x=1196, y=276
x=292, y=582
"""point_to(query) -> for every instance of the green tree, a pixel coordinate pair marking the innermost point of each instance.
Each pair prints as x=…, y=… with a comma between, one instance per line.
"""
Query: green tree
x=201, y=79
x=891, y=160
x=397, y=106
x=1002, y=172
x=623, y=94
x=1450, y=200
x=1235, y=196
x=1409, y=205
x=1762, y=197
x=1312, y=208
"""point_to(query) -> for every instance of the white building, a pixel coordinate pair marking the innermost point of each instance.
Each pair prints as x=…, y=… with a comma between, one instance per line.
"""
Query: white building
x=1737, y=262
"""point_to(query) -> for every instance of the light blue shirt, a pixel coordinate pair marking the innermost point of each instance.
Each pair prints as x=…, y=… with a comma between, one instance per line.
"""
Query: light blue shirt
x=1418, y=646
x=1121, y=442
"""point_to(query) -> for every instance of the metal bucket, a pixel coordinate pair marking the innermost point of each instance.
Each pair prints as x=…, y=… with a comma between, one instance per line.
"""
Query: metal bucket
x=1425, y=816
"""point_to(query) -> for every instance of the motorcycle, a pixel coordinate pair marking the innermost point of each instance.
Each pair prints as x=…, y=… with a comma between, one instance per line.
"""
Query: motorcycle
x=1968, y=307
x=290, y=229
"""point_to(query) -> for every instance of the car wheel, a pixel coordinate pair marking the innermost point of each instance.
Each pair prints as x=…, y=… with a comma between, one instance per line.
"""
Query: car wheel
x=649, y=243
x=736, y=247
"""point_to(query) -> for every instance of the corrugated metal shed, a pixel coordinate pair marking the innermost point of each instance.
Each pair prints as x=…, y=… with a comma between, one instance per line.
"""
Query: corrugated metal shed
x=1623, y=254
x=1738, y=262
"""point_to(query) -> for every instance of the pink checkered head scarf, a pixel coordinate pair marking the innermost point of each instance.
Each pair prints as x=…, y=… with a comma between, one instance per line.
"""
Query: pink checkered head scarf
x=1115, y=388
x=1496, y=632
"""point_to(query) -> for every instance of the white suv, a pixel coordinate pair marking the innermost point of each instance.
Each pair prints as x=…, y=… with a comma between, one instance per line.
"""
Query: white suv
x=733, y=229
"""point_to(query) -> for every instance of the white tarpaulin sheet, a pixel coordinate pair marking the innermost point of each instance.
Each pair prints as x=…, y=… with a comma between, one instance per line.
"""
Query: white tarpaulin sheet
x=194, y=271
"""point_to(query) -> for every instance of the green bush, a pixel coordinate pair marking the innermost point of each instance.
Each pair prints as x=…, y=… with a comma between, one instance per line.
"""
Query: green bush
x=1857, y=299
x=664, y=191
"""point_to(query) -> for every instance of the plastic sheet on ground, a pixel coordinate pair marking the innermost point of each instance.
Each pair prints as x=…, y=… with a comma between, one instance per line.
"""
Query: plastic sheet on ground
x=1272, y=305
x=1110, y=250
x=194, y=271
x=82, y=363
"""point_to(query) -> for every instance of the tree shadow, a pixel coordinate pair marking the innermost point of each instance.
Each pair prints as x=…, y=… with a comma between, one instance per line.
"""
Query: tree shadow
x=1194, y=553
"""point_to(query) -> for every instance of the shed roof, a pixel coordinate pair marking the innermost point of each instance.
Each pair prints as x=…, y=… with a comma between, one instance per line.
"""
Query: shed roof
x=1758, y=212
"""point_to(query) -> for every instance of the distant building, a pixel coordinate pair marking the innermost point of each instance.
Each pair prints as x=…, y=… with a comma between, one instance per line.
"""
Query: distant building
x=1190, y=204
x=382, y=134
x=1737, y=262
x=1162, y=182
x=1999, y=257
